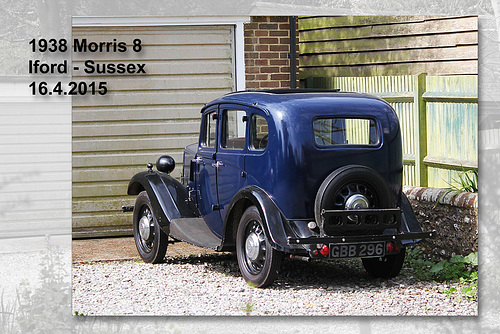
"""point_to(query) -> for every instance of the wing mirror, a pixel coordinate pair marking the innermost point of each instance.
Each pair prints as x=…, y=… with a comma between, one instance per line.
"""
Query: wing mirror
x=165, y=164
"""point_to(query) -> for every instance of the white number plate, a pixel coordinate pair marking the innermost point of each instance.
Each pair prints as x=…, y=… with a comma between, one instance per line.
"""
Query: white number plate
x=368, y=249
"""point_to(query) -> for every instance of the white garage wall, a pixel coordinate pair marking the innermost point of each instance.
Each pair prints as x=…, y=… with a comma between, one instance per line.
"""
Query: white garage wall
x=142, y=116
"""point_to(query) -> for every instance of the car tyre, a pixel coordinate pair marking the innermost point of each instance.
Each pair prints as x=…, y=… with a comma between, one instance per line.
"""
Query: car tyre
x=150, y=240
x=351, y=179
x=259, y=262
x=385, y=267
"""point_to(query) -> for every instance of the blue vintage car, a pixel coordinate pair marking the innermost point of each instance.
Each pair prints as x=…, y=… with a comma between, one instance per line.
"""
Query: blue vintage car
x=309, y=174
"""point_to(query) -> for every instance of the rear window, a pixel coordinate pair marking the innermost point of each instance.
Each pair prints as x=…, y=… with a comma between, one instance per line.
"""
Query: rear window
x=345, y=131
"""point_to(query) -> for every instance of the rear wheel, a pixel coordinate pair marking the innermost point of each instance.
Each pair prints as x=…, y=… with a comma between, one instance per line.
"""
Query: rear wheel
x=150, y=240
x=259, y=262
x=385, y=267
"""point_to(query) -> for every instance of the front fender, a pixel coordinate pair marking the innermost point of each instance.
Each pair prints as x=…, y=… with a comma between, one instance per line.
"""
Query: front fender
x=169, y=198
x=273, y=219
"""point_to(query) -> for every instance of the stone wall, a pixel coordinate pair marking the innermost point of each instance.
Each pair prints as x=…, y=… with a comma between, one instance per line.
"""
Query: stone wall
x=454, y=217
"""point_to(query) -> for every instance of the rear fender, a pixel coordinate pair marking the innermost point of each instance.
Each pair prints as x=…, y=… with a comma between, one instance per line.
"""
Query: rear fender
x=169, y=198
x=272, y=217
x=409, y=222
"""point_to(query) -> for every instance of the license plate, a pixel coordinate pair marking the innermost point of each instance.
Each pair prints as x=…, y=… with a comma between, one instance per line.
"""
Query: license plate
x=366, y=249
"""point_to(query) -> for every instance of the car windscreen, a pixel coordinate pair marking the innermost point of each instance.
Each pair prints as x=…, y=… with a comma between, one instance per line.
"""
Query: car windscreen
x=345, y=131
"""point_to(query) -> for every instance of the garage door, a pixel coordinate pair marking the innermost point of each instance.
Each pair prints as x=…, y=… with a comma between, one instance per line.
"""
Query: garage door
x=142, y=116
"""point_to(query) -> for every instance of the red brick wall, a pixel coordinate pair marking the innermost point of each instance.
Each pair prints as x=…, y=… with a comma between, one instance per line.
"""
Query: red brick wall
x=267, y=49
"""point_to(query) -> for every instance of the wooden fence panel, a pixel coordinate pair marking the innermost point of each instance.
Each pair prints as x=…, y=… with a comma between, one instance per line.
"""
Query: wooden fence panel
x=387, y=45
x=452, y=123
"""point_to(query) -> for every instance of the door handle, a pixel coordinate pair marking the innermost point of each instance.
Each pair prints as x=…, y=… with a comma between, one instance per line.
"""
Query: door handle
x=198, y=161
x=218, y=164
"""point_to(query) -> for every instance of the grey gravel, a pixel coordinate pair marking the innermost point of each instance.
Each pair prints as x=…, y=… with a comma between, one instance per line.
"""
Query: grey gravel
x=212, y=285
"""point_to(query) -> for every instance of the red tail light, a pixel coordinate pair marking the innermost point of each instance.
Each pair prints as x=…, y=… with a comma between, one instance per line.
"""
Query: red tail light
x=324, y=250
x=390, y=247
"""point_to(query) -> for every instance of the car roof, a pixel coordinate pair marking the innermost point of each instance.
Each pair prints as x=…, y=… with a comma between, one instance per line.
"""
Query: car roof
x=295, y=100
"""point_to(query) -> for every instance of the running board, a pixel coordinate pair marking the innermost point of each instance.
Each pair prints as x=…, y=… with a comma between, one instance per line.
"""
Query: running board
x=194, y=231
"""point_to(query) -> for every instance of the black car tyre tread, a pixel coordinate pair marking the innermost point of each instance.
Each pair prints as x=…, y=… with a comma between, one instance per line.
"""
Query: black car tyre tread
x=260, y=274
x=385, y=267
x=153, y=250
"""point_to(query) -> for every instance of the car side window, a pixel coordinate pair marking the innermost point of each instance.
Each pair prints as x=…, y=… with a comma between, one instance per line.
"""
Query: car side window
x=233, y=127
x=259, y=133
x=210, y=129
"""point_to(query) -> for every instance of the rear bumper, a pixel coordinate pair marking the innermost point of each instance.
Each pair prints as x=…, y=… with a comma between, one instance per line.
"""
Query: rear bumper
x=360, y=238
x=314, y=245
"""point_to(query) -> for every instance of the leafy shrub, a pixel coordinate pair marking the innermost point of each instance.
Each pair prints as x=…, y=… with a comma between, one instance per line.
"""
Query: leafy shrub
x=467, y=180
x=454, y=269
x=459, y=269
x=49, y=300
x=462, y=270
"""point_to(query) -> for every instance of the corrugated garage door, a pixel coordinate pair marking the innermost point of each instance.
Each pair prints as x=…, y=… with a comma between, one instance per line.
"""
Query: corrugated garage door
x=142, y=116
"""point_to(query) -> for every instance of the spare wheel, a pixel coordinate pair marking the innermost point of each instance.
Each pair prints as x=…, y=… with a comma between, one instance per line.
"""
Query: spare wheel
x=351, y=187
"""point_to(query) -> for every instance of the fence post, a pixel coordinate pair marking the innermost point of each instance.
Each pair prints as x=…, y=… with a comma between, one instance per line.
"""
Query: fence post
x=309, y=82
x=420, y=114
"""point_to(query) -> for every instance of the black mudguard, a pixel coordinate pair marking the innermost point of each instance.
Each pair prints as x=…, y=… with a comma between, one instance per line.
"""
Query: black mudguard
x=169, y=198
x=274, y=221
x=409, y=222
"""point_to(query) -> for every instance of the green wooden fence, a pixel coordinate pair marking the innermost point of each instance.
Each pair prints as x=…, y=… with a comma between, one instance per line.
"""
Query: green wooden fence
x=438, y=116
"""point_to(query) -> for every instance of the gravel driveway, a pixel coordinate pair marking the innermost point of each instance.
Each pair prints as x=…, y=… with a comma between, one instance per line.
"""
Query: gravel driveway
x=210, y=284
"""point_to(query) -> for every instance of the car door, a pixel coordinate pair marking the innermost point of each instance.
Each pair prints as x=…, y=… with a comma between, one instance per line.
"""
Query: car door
x=231, y=176
x=206, y=180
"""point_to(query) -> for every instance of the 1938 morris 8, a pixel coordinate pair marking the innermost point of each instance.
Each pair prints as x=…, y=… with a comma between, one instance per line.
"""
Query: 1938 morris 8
x=314, y=174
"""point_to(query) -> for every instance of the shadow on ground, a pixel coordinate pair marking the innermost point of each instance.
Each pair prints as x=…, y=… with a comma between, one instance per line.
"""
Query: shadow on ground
x=345, y=275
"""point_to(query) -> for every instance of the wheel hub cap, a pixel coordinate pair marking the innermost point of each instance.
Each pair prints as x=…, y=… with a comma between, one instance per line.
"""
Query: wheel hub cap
x=356, y=202
x=252, y=246
x=144, y=227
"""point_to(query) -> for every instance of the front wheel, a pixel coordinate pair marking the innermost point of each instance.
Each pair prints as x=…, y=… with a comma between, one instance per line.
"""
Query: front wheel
x=385, y=267
x=259, y=262
x=150, y=240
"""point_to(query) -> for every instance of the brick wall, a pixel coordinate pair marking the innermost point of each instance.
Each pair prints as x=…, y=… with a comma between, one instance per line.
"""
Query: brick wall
x=267, y=52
